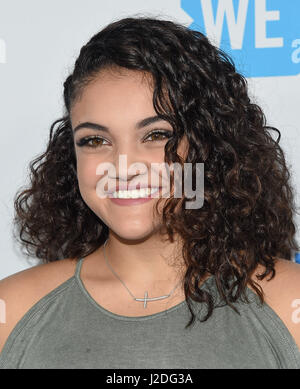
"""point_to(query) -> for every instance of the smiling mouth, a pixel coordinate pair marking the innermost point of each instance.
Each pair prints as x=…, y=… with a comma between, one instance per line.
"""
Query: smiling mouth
x=134, y=194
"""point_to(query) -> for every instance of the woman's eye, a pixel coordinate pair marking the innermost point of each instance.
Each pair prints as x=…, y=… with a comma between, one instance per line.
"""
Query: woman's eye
x=159, y=135
x=92, y=142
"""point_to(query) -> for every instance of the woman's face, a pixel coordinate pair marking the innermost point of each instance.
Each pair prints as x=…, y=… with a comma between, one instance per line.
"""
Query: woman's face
x=119, y=102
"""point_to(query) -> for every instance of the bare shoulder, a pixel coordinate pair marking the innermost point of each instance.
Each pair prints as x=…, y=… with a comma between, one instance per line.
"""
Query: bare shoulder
x=20, y=291
x=282, y=294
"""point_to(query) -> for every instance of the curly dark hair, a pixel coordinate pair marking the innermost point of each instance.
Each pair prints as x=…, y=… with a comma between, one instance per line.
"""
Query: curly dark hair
x=247, y=215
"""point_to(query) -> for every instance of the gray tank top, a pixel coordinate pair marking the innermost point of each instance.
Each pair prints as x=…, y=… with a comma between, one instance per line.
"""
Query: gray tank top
x=68, y=329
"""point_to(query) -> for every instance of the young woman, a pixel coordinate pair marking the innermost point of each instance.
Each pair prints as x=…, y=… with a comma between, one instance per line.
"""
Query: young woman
x=149, y=282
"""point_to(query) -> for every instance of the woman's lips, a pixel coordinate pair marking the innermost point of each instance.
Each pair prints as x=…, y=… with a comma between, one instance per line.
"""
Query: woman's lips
x=132, y=187
x=134, y=201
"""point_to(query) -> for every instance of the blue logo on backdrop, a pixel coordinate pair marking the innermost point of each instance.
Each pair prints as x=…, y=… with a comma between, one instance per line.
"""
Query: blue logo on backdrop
x=262, y=36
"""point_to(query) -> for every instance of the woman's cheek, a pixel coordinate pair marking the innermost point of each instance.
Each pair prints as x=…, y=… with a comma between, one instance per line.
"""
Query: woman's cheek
x=86, y=172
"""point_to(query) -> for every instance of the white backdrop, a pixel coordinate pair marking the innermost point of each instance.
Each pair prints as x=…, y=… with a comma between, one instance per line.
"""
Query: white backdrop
x=39, y=42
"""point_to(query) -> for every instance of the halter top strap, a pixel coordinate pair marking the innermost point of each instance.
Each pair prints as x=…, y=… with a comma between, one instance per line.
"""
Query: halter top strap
x=78, y=268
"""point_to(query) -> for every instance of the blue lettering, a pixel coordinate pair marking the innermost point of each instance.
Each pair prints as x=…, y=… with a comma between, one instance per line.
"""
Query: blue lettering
x=296, y=53
x=258, y=34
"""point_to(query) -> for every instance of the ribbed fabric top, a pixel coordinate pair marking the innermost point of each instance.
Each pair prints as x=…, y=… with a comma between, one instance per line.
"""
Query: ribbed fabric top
x=68, y=329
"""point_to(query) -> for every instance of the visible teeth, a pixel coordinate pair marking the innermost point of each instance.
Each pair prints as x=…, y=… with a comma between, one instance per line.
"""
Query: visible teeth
x=134, y=194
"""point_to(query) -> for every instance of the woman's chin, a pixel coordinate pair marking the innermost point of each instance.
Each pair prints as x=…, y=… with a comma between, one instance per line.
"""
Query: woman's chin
x=133, y=233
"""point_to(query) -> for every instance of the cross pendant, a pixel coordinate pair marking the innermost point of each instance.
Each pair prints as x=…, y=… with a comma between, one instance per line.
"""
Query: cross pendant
x=145, y=299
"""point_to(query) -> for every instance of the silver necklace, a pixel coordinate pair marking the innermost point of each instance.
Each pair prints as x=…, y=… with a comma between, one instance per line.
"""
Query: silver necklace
x=146, y=298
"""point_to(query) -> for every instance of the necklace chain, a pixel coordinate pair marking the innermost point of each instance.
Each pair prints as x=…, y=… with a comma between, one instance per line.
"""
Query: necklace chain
x=146, y=298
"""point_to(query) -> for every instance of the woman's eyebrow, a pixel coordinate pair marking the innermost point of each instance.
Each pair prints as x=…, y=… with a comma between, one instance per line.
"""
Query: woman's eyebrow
x=142, y=123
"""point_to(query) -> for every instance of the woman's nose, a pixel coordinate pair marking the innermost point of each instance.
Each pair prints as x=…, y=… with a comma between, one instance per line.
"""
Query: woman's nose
x=129, y=167
x=129, y=161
